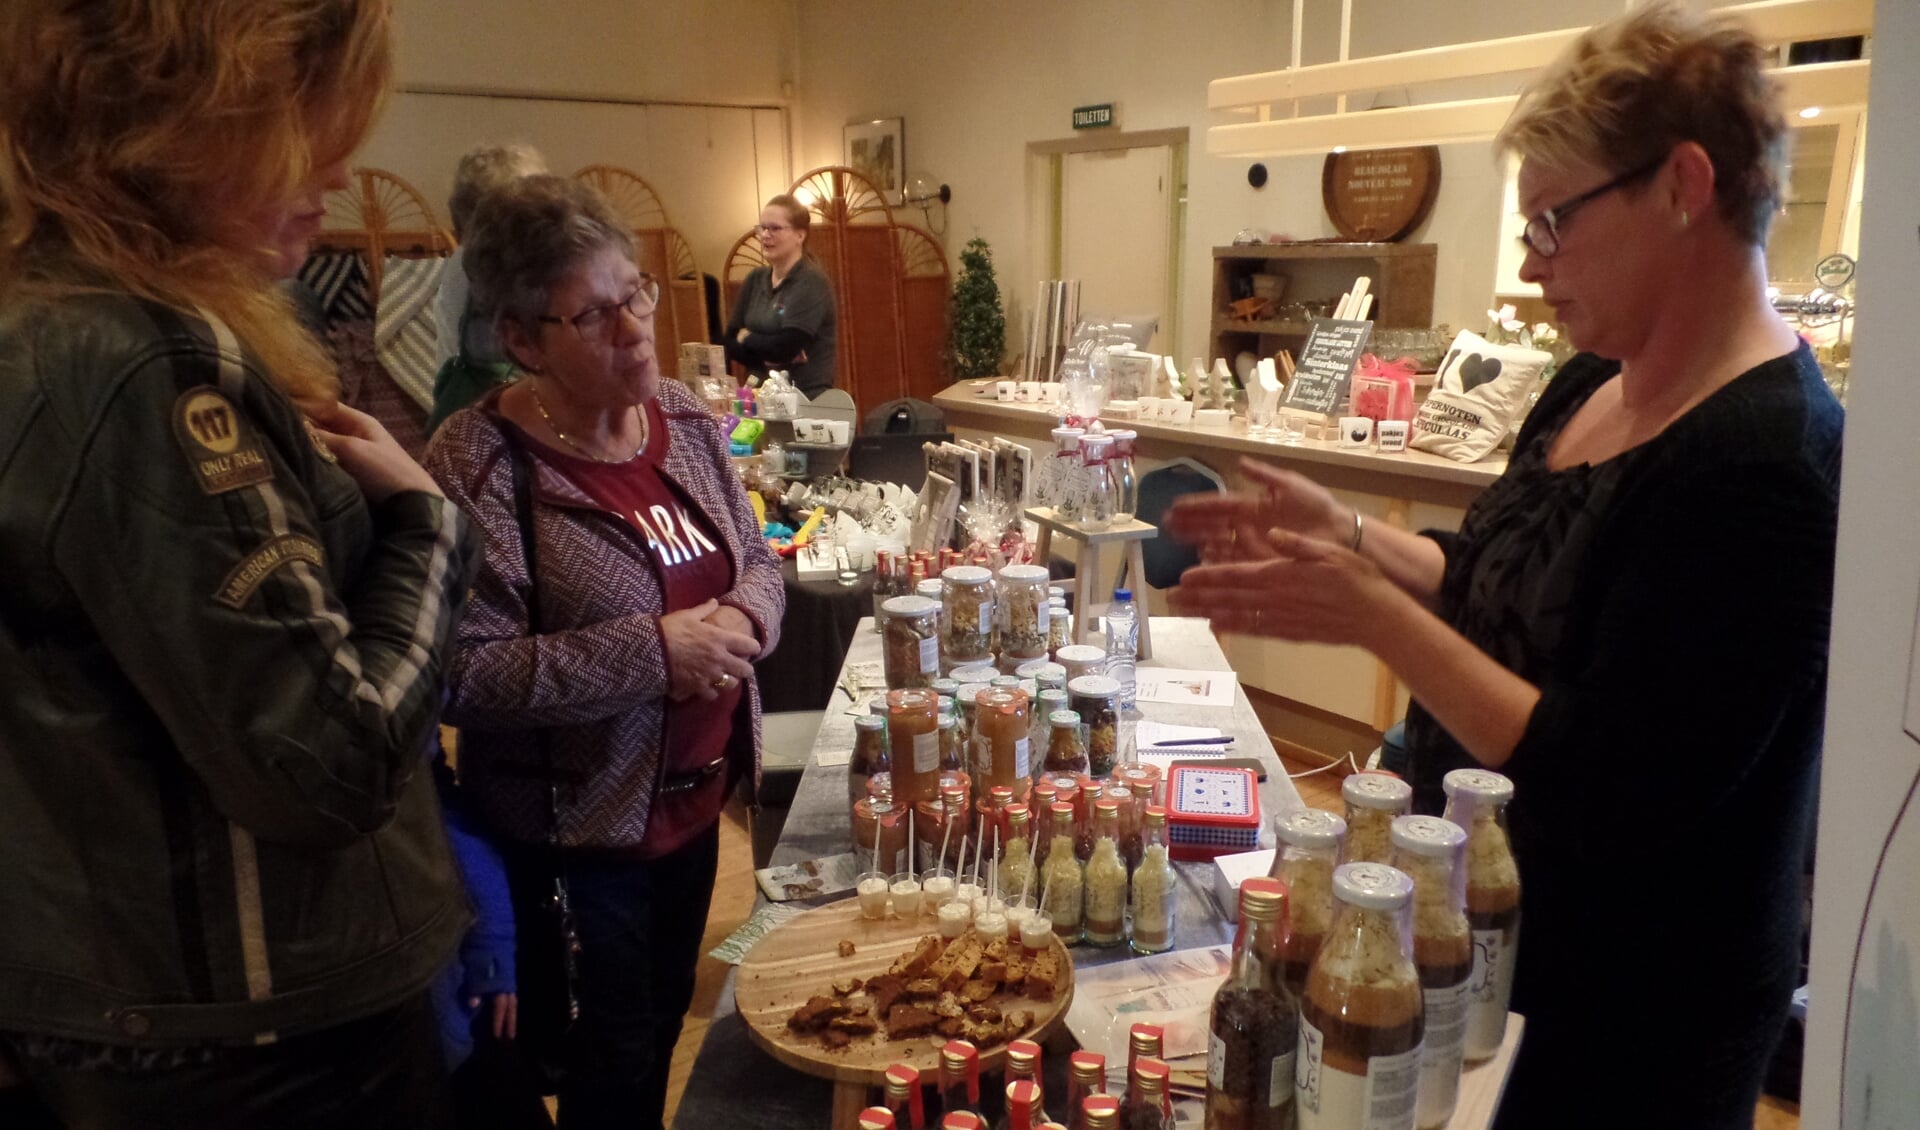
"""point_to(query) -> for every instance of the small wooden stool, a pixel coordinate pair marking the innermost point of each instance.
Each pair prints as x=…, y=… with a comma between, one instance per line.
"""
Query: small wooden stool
x=1086, y=565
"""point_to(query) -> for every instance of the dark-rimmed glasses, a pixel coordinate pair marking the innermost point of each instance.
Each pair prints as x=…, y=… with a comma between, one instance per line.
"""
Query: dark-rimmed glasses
x=1542, y=233
x=596, y=323
x=769, y=229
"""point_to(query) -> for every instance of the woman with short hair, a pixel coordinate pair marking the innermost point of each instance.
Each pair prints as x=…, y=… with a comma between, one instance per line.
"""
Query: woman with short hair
x=604, y=686
x=1632, y=622
x=229, y=597
x=785, y=317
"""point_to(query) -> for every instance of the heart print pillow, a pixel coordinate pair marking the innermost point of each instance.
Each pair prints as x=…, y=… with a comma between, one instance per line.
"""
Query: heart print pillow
x=1481, y=392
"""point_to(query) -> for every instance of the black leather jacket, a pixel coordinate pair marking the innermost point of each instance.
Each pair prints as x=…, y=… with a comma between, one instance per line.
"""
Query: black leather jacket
x=218, y=670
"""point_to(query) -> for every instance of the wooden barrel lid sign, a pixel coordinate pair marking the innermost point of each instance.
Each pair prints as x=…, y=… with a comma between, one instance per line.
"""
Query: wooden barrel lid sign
x=1380, y=195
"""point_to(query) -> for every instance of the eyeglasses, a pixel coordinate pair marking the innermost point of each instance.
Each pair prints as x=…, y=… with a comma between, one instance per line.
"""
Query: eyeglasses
x=1542, y=233
x=596, y=323
x=769, y=229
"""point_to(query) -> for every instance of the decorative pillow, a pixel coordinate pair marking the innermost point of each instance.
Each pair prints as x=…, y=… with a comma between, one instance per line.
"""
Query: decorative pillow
x=1480, y=394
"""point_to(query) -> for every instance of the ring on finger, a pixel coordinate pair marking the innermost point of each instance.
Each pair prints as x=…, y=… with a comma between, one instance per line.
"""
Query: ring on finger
x=723, y=682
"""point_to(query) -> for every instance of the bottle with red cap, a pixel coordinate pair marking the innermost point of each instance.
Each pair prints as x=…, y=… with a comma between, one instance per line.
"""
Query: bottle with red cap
x=901, y=1095
x=1023, y=1066
x=959, y=1079
x=1086, y=1077
x=1023, y=1106
x=1149, y=1104
x=875, y=1118
x=963, y=1120
x=1144, y=1041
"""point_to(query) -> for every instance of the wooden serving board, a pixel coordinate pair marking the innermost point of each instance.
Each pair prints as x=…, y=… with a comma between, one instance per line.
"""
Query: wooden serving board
x=802, y=959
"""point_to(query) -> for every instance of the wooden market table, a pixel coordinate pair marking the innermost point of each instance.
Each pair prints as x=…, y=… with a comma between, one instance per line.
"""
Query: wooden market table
x=731, y=1070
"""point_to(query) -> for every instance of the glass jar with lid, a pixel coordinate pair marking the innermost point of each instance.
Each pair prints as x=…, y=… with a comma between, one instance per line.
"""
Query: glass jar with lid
x=1060, y=476
x=1373, y=800
x=1362, y=1018
x=1477, y=801
x=1020, y=599
x=1044, y=704
x=1432, y=853
x=911, y=642
x=1080, y=659
x=913, y=738
x=1096, y=699
x=880, y=826
x=967, y=602
x=1308, y=851
x=1066, y=743
x=1096, y=511
x=1059, y=625
x=1002, y=751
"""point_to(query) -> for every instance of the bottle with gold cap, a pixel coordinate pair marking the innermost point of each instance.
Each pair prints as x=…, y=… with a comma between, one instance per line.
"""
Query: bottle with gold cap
x=1023, y=1105
x=1144, y=1041
x=1255, y=1022
x=1100, y=1112
x=1156, y=889
x=1106, y=884
x=1086, y=1077
x=875, y=1118
x=959, y=1079
x=902, y=1097
x=962, y=1120
x=1149, y=1104
x=1016, y=854
x=1023, y=1066
x=1063, y=879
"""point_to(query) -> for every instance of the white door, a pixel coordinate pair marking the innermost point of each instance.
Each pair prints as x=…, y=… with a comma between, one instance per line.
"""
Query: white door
x=1114, y=216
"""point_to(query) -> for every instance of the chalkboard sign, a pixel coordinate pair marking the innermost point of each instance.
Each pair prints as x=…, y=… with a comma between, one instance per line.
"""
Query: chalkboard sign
x=1326, y=365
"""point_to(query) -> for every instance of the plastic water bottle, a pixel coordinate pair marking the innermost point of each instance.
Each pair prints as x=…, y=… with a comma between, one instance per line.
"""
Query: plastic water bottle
x=1123, y=643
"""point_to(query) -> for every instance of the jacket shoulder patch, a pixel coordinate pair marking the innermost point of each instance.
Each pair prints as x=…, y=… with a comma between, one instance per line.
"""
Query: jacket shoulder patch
x=245, y=578
x=222, y=451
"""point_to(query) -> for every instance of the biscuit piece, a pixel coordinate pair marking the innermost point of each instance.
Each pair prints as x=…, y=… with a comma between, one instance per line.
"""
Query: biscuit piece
x=1019, y=1020
x=905, y=1021
x=956, y=967
x=923, y=988
x=916, y=961
x=984, y=1036
x=949, y=1006
x=846, y=948
x=978, y=992
x=835, y=1039
x=854, y=1025
x=952, y=1027
x=1043, y=976
x=815, y=1014
x=980, y=1014
x=996, y=950
x=992, y=972
x=846, y=986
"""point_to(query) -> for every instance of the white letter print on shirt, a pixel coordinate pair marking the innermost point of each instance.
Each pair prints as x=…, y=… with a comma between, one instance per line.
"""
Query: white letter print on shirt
x=683, y=540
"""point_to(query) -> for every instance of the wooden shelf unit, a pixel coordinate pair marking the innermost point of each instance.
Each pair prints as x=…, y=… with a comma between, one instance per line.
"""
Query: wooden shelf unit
x=1402, y=275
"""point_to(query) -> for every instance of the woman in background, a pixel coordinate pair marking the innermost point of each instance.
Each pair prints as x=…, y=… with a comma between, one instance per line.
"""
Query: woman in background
x=785, y=317
x=229, y=598
x=1632, y=622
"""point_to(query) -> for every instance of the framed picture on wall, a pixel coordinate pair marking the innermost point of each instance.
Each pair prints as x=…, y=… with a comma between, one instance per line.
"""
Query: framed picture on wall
x=878, y=151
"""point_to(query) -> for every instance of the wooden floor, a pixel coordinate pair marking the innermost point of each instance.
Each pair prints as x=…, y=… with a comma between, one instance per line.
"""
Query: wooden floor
x=733, y=901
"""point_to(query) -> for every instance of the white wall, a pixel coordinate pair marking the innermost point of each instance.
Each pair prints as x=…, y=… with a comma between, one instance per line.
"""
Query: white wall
x=1866, y=992
x=977, y=80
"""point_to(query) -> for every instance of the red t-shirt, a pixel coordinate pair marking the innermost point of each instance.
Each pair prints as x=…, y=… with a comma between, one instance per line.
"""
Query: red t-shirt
x=691, y=560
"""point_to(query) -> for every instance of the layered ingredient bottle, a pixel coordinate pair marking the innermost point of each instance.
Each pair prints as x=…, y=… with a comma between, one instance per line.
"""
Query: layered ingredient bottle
x=1106, y=880
x=1373, y=800
x=1362, y=1019
x=1477, y=802
x=1309, y=849
x=1156, y=889
x=1431, y=852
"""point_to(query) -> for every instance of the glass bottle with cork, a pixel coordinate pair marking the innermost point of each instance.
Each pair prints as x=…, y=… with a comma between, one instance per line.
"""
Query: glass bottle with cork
x=1308, y=851
x=1254, y=1027
x=1362, y=1019
x=1432, y=853
x=1106, y=880
x=1156, y=888
x=1477, y=801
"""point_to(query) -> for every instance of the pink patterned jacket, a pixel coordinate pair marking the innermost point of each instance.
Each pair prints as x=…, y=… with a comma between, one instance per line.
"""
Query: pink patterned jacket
x=593, y=684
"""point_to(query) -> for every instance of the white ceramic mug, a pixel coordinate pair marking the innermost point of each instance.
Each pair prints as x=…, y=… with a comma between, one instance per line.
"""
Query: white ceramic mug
x=1003, y=391
x=1356, y=431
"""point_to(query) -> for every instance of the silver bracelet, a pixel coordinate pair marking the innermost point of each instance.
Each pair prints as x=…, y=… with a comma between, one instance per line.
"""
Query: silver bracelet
x=1359, y=528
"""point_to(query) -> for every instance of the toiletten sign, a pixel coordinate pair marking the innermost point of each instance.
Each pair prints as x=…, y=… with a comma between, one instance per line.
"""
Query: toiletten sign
x=1093, y=117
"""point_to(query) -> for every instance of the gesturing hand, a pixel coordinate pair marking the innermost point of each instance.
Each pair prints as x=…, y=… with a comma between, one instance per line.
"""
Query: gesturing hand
x=1232, y=527
x=702, y=655
x=1299, y=588
x=368, y=452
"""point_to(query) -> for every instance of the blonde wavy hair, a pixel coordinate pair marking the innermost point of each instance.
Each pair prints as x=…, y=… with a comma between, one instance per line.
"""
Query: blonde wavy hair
x=136, y=137
x=1631, y=89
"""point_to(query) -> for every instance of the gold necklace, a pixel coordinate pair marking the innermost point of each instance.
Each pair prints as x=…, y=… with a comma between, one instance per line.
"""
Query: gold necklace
x=568, y=440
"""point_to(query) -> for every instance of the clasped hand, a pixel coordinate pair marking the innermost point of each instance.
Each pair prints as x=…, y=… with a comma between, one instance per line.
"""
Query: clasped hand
x=706, y=645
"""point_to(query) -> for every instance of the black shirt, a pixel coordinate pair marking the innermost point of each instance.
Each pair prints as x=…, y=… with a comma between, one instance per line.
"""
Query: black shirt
x=785, y=322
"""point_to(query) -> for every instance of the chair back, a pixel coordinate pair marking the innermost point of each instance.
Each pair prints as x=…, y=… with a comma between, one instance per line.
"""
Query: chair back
x=1164, y=557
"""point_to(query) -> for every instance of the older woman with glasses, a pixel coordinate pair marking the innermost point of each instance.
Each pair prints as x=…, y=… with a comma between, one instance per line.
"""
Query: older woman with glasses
x=604, y=680
x=784, y=317
x=1632, y=622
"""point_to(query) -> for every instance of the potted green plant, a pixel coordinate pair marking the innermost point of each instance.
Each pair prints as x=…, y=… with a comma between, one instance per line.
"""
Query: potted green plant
x=979, y=324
